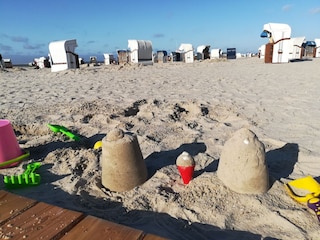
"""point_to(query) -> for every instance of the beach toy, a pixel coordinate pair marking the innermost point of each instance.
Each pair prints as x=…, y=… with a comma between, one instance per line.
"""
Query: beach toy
x=9, y=146
x=185, y=164
x=123, y=166
x=64, y=130
x=97, y=145
x=314, y=204
x=242, y=165
x=27, y=178
x=15, y=160
x=303, y=189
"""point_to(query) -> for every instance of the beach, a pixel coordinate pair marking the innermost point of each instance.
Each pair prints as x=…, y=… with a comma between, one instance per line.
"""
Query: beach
x=171, y=107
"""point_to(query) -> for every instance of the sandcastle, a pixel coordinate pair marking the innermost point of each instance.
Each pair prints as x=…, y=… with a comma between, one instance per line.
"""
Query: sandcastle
x=242, y=166
x=123, y=166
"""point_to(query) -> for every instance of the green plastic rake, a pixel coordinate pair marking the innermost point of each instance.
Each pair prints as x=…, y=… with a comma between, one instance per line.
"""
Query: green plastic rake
x=27, y=178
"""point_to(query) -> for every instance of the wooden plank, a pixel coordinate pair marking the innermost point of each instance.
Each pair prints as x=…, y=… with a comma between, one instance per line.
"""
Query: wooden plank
x=11, y=205
x=153, y=237
x=24, y=218
x=42, y=221
x=96, y=228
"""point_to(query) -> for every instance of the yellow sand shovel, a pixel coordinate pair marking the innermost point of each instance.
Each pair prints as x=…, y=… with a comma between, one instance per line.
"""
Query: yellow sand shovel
x=303, y=189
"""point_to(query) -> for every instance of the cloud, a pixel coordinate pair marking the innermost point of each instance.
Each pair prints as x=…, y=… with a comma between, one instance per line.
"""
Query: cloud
x=5, y=47
x=315, y=10
x=15, y=38
x=158, y=35
x=33, y=47
x=287, y=7
x=2, y=35
x=19, y=39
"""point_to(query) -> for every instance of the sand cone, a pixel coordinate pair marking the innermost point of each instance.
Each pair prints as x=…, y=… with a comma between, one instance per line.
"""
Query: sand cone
x=123, y=166
x=185, y=164
x=9, y=146
x=242, y=166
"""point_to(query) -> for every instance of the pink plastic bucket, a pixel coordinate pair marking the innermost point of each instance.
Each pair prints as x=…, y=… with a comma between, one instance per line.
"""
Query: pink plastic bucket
x=9, y=146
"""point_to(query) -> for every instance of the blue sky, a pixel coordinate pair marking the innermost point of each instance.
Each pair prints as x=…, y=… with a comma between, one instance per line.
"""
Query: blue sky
x=104, y=26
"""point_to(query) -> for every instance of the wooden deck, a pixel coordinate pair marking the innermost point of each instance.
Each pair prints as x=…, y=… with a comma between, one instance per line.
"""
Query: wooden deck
x=24, y=218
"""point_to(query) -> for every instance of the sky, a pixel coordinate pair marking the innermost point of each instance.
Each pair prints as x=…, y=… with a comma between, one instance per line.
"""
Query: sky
x=105, y=26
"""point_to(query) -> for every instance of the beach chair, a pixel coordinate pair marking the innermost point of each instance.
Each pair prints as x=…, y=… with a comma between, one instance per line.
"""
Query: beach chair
x=140, y=52
x=63, y=56
x=277, y=50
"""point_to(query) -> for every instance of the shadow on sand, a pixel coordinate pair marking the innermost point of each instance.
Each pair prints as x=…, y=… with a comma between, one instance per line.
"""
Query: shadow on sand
x=281, y=161
x=161, y=224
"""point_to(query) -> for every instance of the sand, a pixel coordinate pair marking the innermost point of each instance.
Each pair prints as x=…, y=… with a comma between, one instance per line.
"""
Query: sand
x=172, y=107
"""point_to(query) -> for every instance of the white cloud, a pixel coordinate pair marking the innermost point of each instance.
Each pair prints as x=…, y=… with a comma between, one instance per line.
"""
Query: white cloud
x=315, y=10
x=287, y=7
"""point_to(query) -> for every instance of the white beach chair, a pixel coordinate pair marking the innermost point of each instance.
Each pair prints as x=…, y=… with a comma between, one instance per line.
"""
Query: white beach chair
x=63, y=56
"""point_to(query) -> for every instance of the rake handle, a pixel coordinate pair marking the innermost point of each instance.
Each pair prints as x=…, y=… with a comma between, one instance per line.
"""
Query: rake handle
x=20, y=158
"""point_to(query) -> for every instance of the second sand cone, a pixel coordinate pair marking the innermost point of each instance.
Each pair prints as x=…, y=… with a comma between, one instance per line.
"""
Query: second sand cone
x=123, y=166
x=242, y=166
x=185, y=164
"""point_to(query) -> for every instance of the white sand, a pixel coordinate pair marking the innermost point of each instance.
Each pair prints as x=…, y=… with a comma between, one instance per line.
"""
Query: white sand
x=172, y=107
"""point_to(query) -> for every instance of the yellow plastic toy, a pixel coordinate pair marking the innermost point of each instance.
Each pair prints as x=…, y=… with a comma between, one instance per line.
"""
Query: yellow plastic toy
x=97, y=145
x=303, y=189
